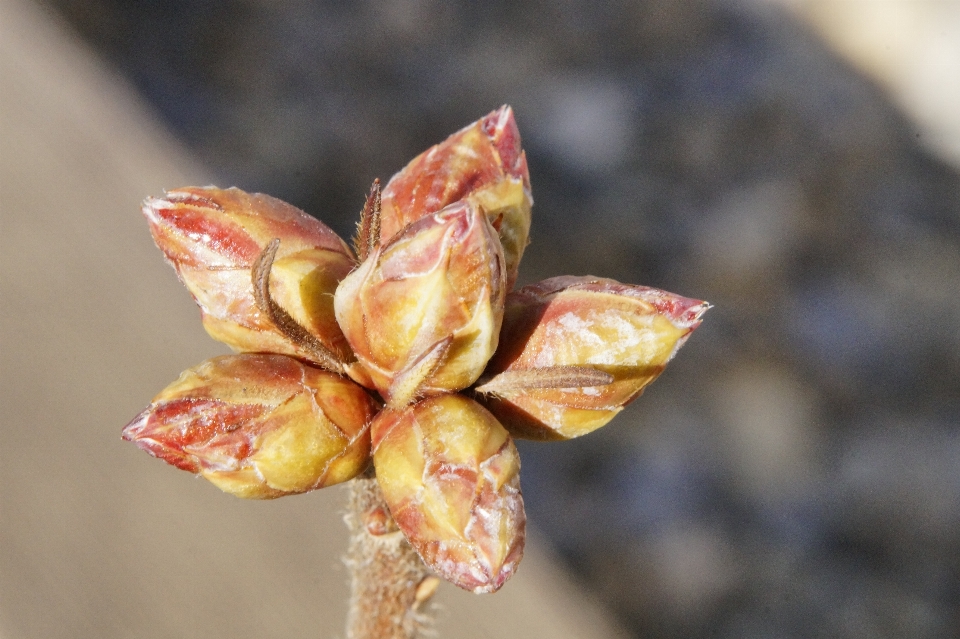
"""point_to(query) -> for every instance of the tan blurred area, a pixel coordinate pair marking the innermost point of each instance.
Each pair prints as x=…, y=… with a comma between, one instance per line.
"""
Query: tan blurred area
x=96, y=538
x=910, y=47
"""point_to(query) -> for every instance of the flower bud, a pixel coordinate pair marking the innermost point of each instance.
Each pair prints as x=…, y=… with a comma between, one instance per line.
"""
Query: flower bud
x=450, y=475
x=259, y=426
x=213, y=237
x=482, y=163
x=423, y=312
x=575, y=350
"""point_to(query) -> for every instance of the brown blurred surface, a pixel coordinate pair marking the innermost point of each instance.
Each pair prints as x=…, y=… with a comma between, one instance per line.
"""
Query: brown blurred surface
x=96, y=539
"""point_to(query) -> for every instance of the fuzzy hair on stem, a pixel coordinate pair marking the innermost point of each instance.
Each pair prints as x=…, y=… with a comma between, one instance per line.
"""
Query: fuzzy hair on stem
x=389, y=582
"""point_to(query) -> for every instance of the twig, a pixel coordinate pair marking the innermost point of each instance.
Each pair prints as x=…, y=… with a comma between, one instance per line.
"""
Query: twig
x=389, y=582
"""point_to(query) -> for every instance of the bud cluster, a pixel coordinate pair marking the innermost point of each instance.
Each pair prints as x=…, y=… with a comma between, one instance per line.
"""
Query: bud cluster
x=412, y=354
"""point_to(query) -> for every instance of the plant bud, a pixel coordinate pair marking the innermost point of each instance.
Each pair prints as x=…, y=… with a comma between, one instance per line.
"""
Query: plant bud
x=563, y=335
x=482, y=163
x=259, y=426
x=213, y=237
x=423, y=312
x=450, y=475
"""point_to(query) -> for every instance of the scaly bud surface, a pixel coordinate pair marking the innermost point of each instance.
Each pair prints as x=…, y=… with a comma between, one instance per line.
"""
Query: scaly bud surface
x=424, y=315
x=450, y=475
x=482, y=163
x=423, y=312
x=259, y=426
x=560, y=333
x=213, y=237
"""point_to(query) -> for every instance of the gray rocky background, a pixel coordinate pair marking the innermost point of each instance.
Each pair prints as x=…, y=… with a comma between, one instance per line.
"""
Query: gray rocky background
x=796, y=471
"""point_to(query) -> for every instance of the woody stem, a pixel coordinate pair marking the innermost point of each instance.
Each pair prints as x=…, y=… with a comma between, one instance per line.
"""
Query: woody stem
x=389, y=583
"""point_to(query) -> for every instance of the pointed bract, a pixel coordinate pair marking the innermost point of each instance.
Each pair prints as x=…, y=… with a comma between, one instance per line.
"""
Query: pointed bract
x=568, y=323
x=423, y=312
x=213, y=237
x=259, y=426
x=482, y=163
x=450, y=475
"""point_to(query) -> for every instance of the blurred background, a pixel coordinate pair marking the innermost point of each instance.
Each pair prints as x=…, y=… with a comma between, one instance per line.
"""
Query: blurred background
x=796, y=471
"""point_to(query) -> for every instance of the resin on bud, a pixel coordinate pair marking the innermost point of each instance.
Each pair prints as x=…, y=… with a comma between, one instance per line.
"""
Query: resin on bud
x=450, y=475
x=213, y=238
x=423, y=312
x=482, y=163
x=259, y=426
x=575, y=350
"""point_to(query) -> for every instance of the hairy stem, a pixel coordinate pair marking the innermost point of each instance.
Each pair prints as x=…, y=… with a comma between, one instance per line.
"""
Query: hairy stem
x=389, y=583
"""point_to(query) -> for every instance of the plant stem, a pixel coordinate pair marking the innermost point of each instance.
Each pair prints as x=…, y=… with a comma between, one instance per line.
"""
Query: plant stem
x=389, y=582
